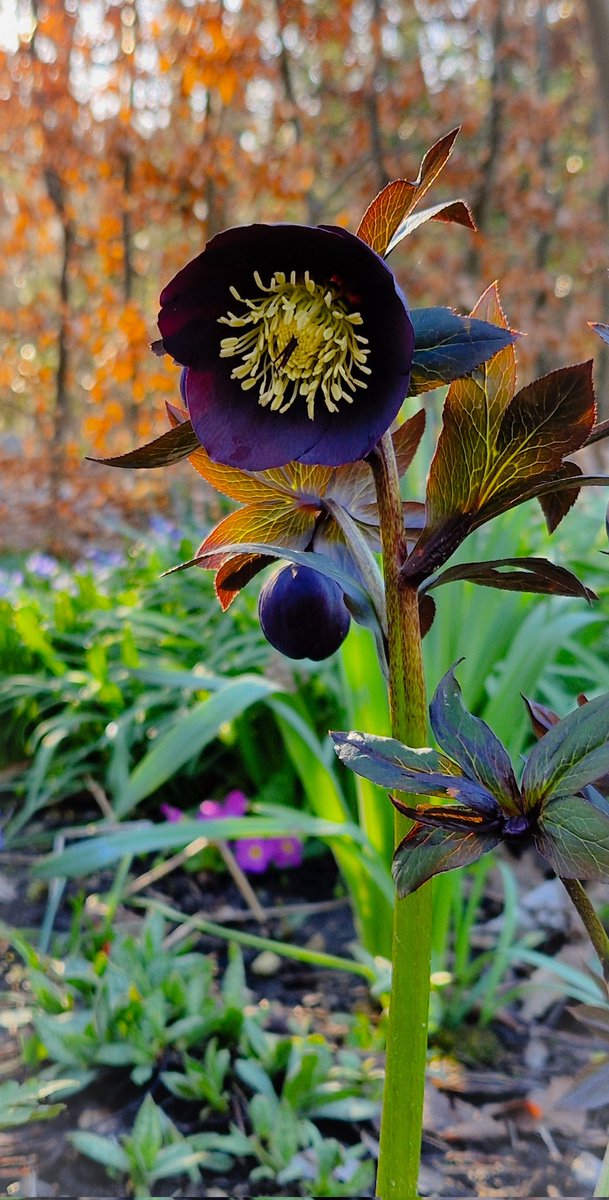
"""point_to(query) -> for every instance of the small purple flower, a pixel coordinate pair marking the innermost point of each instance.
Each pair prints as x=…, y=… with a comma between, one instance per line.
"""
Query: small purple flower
x=171, y=813
x=297, y=344
x=286, y=851
x=254, y=855
x=9, y=582
x=164, y=528
x=42, y=565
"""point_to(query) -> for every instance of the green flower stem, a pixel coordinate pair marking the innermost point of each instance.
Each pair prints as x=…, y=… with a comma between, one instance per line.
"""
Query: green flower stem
x=593, y=925
x=401, y=1128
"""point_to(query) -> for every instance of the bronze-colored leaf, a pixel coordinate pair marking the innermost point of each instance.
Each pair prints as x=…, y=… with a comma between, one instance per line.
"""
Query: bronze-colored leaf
x=555, y=505
x=497, y=449
x=386, y=212
x=455, y=212
x=426, y=852
x=536, y=575
x=172, y=446
x=541, y=717
x=261, y=523
x=251, y=487
x=233, y=575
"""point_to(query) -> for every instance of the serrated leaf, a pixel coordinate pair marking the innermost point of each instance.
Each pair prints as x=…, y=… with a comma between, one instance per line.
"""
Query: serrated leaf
x=556, y=504
x=536, y=575
x=384, y=215
x=419, y=772
x=572, y=754
x=573, y=837
x=472, y=744
x=319, y=562
x=452, y=212
x=495, y=451
x=448, y=346
x=250, y=487
x=235, y=573
x=172, y=446
x=426, y=852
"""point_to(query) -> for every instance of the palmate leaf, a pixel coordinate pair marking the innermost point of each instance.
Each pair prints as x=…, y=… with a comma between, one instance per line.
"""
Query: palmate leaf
x=448, y=346
x=536, y=575
x=383, y=217
x=426, y=852
x=571, y=755
x=573, y=837
x=472, y=744
x=497, y=449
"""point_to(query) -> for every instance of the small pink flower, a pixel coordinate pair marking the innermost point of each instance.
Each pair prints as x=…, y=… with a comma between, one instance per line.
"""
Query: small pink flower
x=233, y=805
x=171, y=813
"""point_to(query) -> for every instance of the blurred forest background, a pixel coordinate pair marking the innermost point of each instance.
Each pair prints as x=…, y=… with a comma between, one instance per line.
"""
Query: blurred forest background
x=133, y=130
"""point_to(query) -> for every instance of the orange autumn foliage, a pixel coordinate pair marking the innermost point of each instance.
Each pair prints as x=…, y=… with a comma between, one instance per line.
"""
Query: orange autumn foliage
x=131, y=139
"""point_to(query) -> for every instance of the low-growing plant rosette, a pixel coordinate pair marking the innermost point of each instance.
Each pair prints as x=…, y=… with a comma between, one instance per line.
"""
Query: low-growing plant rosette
x=555, y=807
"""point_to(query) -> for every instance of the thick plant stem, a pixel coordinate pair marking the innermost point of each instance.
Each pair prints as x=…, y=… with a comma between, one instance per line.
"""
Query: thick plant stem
x=592, y=923
x=401, y=1127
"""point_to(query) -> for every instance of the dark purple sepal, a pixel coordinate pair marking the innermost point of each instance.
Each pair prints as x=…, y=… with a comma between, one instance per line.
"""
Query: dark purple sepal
x=229, y=422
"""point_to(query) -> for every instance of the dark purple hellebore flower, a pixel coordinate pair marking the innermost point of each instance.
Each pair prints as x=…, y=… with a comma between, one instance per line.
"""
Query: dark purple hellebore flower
x=297, y=345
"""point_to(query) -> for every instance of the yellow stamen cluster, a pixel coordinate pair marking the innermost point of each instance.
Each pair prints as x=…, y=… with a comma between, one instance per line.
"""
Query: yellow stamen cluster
x=299, y=339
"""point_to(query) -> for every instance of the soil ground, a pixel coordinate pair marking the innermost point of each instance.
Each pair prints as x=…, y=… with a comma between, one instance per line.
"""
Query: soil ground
x=495, y=1125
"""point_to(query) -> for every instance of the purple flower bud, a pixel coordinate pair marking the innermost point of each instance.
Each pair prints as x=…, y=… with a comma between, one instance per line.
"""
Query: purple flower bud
x=303, y=613
x=171, y=813
x=235, y=804
x=209, y=810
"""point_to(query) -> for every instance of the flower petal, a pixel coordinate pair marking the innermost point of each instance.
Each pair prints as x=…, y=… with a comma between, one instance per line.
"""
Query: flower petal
x=229, y=421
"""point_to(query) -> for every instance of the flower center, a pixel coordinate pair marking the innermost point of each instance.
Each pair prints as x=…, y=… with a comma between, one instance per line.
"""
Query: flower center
x=299, y=339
